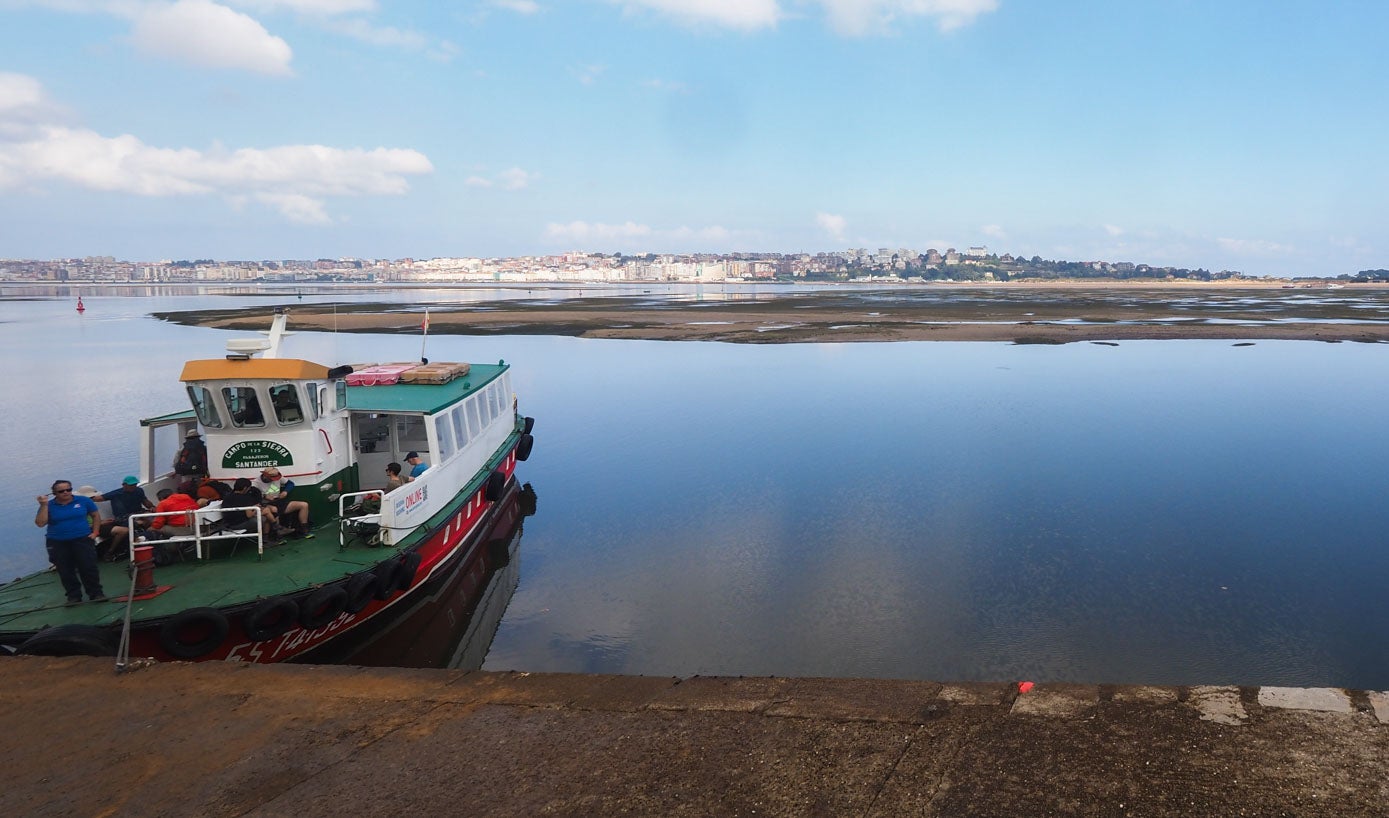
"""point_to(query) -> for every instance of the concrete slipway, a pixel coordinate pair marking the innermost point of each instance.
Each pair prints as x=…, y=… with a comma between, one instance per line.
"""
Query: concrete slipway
x=217, y=739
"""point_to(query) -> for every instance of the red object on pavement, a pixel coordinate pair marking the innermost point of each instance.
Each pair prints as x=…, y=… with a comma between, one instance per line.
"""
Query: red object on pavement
x=1024, y=687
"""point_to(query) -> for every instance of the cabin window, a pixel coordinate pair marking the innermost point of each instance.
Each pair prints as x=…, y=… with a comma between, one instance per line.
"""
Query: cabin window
x=244, y=406
x=460, y=427
x=312, y=391
x=341, y=394
x=488, y=411
x=444, y=431
x=285, y=399
x=206, y=408
x=474, y=423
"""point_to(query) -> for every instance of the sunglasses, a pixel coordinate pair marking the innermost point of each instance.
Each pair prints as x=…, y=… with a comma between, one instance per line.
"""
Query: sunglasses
x=62, y=491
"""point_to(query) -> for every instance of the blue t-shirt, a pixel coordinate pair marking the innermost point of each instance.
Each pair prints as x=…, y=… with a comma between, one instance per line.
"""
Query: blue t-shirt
x=418, y=469
x=68, y=522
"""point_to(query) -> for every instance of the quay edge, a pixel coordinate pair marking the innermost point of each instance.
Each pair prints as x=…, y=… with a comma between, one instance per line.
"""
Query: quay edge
x=228, y=739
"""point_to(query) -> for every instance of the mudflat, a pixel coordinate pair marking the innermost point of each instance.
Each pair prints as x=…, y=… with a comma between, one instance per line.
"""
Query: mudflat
x=1021, y=313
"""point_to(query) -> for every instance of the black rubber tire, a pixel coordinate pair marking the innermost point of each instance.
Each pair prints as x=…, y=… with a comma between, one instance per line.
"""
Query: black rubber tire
x=523, y=448
x=71, y=640
x=526, y=425
x=271, y=618
x=322, y=606
x=171, y=631
x=386, y=578
x=493, y=488
x=361, y=590
x=409, y=566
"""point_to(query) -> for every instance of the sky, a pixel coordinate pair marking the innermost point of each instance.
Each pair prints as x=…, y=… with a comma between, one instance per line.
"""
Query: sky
x=1226, y=134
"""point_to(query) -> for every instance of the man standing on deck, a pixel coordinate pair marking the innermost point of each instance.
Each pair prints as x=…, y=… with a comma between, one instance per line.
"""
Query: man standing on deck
x=71, y=540
x=417, y=464
x=191, y=460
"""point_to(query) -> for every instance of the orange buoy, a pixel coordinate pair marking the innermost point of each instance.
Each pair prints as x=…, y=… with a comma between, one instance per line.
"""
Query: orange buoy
x=80, y=308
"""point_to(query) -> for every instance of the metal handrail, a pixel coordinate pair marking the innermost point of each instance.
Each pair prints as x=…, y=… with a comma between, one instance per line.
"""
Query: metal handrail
x=343, y=519
x=198, y=537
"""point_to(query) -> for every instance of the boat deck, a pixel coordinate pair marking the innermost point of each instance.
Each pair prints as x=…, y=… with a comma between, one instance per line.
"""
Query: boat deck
x=229, y=577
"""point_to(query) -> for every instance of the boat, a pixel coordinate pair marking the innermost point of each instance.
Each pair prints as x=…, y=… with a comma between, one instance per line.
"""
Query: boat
x=223, y=594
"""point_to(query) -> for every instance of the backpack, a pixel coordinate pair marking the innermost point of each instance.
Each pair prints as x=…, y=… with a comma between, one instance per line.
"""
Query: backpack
x=191, y=460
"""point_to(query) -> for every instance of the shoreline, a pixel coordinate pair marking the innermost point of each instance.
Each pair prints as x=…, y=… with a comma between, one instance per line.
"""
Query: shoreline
x=1055, y=314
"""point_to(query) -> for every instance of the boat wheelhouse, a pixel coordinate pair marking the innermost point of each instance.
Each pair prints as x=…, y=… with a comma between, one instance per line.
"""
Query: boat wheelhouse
x=233, y=595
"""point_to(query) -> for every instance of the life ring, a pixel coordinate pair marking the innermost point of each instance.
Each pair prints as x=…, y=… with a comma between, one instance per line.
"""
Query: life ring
x=523, y=448
x=271, y=618
x=409, y=565
x=71, y=640
x=210, y=622
x=526, y=425
x=493, y=488
x=386, y=578
x=361, y=590
x=322, y=606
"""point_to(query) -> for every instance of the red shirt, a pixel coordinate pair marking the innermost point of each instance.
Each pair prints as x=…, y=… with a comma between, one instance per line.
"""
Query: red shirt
x=175, y=502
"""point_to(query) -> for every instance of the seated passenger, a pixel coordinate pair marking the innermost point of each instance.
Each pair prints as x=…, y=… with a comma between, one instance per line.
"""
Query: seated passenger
x=243, y=495
x=169, y=500
x=393, y=478
x=210, y=491
x=296, y=512
x=418, y=465
x=286, y=406
x=127, y=500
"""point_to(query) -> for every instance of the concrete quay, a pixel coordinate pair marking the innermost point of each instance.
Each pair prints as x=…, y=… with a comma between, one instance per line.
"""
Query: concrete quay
x=231, y=740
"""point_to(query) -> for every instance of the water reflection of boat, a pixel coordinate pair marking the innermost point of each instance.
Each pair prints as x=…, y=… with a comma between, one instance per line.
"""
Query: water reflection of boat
x=453, y=619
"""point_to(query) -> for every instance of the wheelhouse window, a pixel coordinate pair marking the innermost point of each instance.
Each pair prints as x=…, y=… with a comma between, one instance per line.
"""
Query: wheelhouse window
x=312, y=391
x=285, y=399
x=244, y=406
x=340, y=388
x=205, y=406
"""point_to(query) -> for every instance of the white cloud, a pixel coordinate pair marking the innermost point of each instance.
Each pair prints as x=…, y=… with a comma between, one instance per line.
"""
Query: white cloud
x=1113, y=230
x=993, y=231
x=322, y=8
x=200, y=32
x=297, y=207
x=294, y=179
x=861, y=17
x=744, y=15
x=515, y=178
x=832, y=225
x=587, y=74
x=363, y=31
x=666, y=86
x=509, y=179
x=1254, y=247
x=580, y=231
x=518, y=6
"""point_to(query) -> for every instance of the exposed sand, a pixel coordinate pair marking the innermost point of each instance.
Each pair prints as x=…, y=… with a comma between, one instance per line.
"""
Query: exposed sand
x=1042, y=314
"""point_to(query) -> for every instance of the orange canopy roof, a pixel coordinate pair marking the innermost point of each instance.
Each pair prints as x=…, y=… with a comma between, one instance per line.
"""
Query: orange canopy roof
x=275, y=369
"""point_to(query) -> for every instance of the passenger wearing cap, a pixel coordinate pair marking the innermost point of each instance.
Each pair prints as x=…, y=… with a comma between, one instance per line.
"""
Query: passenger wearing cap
x=191, y=460
x=126, y=500
x=284, y=511
x=417, y=464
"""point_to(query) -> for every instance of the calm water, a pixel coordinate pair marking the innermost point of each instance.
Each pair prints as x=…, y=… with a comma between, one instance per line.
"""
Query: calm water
x=1160, y=512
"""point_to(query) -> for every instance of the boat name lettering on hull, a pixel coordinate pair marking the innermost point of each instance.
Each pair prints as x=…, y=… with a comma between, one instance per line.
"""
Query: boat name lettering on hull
x=256, y=454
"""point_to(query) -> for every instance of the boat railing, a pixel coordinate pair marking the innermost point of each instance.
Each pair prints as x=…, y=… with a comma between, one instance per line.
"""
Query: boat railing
x=354, y=526
x=209, y=514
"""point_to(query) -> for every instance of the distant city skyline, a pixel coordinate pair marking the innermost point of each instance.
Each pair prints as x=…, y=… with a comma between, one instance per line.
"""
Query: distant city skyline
x=1233, y=135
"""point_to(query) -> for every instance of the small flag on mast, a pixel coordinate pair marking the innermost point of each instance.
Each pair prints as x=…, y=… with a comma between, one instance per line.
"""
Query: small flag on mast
x=424, y=325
